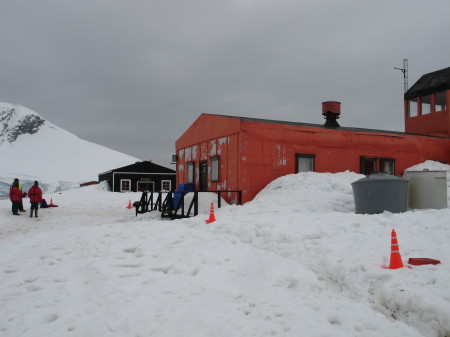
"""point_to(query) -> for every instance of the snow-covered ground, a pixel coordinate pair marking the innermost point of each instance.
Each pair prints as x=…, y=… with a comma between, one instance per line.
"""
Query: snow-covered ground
x=296, y=261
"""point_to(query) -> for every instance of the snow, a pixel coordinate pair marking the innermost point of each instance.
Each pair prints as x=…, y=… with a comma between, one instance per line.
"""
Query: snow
x=53, y=155
x=296, y=261
x=429, y=165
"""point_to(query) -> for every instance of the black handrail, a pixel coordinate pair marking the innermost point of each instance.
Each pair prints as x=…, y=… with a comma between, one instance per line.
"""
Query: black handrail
x=167, y=207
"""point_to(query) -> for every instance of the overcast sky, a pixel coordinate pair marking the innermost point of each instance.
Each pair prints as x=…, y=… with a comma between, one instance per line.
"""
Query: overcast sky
x=134, y=75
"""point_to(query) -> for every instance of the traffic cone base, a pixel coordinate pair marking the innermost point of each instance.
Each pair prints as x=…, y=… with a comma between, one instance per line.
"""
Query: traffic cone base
x=212, y=217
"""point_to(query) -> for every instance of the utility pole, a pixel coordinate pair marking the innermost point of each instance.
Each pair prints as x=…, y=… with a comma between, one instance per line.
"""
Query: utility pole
x=404, y=70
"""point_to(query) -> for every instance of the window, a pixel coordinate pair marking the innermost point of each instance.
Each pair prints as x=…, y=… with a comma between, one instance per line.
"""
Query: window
x=305, y=162
x=412, y=107
x=190, y=172
x=371, y=165
x=203, y=176
x=439, y=101
x=166, y=185
x=215, y=169
x=425, y=104
x=145, y=186
x=125, y=185
x=387, y=165
x=368, y=165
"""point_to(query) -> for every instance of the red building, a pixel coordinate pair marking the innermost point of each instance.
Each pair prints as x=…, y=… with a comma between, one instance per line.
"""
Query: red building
x=220, y=152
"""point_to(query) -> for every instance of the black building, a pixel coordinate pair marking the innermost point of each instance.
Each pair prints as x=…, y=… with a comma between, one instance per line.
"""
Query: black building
x=140, y=176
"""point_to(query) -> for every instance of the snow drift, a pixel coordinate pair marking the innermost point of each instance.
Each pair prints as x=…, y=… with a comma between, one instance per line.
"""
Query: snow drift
x=278, y=266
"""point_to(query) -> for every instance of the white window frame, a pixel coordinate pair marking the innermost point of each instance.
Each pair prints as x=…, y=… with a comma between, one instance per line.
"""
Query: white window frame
x=122, y=181
x=190, y=172
x=215, y=169
x=162, y=185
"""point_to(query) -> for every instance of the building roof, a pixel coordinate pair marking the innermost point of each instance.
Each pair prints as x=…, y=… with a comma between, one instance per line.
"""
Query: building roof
x=143, y=167
x=430, y=83
x=321, y=126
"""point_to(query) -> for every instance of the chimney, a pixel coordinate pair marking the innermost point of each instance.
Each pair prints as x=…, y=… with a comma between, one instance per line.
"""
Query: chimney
x=331, y=111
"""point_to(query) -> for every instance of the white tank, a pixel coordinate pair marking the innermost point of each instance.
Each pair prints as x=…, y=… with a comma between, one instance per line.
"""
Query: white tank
x=427, y=189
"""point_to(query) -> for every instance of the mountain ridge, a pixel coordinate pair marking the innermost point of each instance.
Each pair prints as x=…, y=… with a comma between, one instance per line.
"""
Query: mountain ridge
x=33, y=148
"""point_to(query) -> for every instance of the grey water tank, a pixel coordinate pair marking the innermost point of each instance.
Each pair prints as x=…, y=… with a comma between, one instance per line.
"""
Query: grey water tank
x=380, y=192
x=427, y=189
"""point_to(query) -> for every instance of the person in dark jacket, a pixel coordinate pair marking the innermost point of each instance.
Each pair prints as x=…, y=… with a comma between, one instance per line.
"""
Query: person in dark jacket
x=16, y=195
x=35, y=195
x=21, y=209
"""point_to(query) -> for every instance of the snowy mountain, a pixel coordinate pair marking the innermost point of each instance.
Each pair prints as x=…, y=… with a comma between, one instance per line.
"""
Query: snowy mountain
x=32, y=148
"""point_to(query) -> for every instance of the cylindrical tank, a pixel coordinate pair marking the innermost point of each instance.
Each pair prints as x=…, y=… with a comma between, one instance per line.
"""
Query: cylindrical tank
x=380, y=192
x=427, y=189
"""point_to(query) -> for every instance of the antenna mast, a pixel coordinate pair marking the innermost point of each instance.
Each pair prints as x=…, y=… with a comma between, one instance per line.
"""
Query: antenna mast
x=404, y=70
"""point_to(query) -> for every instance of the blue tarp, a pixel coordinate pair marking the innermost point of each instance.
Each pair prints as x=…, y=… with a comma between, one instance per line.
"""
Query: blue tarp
x=189, y=187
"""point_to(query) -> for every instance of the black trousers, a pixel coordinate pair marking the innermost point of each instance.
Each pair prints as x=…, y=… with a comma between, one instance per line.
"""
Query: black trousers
x=34, y=206
x=15, y=207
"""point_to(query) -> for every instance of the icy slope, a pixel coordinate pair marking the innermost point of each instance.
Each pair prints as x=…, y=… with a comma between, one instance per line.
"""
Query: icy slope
x=32, y=148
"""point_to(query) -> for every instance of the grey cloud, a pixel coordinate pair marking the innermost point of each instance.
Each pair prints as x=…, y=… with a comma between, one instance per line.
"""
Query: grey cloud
x=134, y=75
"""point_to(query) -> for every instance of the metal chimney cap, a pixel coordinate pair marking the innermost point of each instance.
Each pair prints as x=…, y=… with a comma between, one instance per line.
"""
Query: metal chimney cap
x=331, y=106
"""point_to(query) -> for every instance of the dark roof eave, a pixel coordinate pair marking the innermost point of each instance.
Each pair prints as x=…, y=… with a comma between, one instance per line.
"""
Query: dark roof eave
x=319, y=126
x=430, y=83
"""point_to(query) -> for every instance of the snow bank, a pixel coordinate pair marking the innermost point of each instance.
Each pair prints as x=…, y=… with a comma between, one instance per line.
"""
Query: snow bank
x=430, y=165
x=278, y=266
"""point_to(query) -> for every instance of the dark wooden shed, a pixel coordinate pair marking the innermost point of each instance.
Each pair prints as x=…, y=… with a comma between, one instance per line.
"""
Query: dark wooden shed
x=140, y=176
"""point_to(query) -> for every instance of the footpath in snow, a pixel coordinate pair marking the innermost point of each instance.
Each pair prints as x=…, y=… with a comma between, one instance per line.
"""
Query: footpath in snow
x=296, y=261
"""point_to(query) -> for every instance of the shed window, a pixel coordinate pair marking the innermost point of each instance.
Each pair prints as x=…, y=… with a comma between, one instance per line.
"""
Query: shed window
x=425, y=103
x=439, y=101
x=125, y=185
x=412, y=107
x=190, y=172
x=166, y=185
x=215, y=169
x=305, y=162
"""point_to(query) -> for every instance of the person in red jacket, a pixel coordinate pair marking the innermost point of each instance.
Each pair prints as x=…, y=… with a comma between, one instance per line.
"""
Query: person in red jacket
x=35, y=195
x=16, y=195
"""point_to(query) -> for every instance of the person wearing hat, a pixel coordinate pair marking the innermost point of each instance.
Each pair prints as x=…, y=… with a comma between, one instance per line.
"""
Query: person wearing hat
x=16, y=195
x=35, y=195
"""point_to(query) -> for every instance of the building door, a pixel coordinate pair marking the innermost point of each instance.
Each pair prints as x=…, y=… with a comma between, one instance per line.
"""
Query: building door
x=203, y=176
x=145, y=186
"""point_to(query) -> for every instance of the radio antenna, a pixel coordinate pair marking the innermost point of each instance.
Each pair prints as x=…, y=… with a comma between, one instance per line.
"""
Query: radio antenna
x=404, y=70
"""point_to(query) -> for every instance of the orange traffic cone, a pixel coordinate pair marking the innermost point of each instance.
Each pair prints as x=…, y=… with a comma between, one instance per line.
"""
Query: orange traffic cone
x=129, y=205
x=396, y=259
x=212, y=218
x=51, y=203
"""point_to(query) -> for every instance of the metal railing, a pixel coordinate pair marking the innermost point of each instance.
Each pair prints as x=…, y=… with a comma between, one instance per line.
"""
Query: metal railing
x=154, y=201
